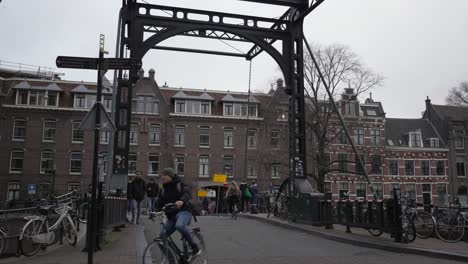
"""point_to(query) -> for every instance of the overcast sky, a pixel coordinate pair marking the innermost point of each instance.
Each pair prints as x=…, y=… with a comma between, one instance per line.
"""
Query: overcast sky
x=419, y=46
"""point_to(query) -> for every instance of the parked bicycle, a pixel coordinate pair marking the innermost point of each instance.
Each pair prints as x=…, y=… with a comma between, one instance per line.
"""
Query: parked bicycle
x=424, y=222
x=451, y=228
x=2, y=240
x=280, y=207
x=37, y=233
x=167, y=251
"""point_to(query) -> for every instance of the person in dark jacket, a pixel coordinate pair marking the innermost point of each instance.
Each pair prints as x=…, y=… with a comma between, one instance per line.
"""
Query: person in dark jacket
x=174, y=191
x=254, y=190
x=243, y=200
x=138, y=189
x=129, y=196
x=152, y=190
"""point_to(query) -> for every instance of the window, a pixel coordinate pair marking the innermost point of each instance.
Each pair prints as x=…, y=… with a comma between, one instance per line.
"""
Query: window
x=44, y=190
x=204, y=137
x=342, y=138
x=282, y=114
x=253, y=110
x=425, y=167
x=459, y=142
x=228, y=138
x=154, y=135
x=344, y=190
x=204, y=167
x=359, y=168
x=75, y=162
x=361, y=190
x=371, y=112
x=378, y=190
x=104, y=137
x=252, y=138
x=49, y=131
x=90, y=100
x=180, y=136
x=376, y=164
x=77, y=135
x=358, y=136
x=409, y=167
x=74, y=187
x=342, y=162
x=251, y=169
x=52, y=98
x=228, y=109
x=349, y=108
x=80, y=100
x=442, y=194
x=461, y=166
x=179, y=165
x=134, y=130
x=153, y=164
x=375, y=137
x=13, y=191
x=410, y=189
x=229, y=166
x=427, y=194
x=180, y=106
x=393, y=167
x=434, y=142
x=145, y=104
x=415, y=140
x=22, y=97
x=107, y=103
x=327, y=188
x=36, y=97
x=275, y=138
x=205, y=108
x=275, y=171
x=19, y=129
x=16, y=161
x=47, y=161
x=132, y=159
x=394, y=186
x=440, y=167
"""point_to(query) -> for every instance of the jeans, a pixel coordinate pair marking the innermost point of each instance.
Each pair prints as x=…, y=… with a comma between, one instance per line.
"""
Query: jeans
x=180, y=223
x=150, y=203
x=136, y=205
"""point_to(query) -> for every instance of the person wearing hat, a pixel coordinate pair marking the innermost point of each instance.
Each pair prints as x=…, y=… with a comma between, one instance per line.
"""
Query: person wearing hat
x=174, y=191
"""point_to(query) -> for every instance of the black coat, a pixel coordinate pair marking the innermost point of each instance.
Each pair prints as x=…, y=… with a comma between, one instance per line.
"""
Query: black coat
x=138, y=189
x=152, y=189
x=174, y=191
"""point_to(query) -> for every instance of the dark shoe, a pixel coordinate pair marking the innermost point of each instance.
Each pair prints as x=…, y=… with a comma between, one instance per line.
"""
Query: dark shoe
x=195, y=253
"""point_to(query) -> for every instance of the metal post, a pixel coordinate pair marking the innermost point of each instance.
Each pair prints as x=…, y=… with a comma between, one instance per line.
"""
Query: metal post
x=217, y=202
x=91, y=234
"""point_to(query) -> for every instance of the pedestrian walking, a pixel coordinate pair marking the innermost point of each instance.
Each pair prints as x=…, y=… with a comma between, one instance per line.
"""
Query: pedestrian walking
x=129, y=196
x=205, y=205
x=138, y=188
x=152, y=190
x=254, y=203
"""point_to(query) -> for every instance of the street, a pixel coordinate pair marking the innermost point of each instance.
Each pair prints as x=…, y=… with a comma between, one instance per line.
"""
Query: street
x=252, y=242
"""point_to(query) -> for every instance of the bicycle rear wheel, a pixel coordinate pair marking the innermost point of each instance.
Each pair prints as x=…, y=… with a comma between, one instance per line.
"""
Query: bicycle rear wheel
x=29, y=242
x=157, y=253
x=450, y=229
x=202, y=258
x=410, y=234
x=2, y=242
x=424, y=224
x=83, y=213
x=69, y=231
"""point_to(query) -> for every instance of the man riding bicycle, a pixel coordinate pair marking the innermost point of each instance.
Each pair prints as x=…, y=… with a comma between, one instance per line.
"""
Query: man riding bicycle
x=233, y=193
x=174, y=191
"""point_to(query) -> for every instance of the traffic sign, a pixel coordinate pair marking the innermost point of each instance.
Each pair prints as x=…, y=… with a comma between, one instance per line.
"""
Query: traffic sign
x=89, y=122
x=32, y=188
x=202, y=193
x=220, y=178
x=93, y=63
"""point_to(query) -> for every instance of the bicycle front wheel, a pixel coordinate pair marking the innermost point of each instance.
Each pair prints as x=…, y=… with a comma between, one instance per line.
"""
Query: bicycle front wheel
x=69, y=231
x=424, y=224
x=30, y=237
x=156, y=253
x=450, y=229
x=202, y=258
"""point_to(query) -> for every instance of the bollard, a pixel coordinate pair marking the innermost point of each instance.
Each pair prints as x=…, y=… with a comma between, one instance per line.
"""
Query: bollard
x=349, y=216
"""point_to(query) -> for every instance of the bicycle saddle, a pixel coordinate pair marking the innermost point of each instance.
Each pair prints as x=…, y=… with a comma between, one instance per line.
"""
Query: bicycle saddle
x=45, y=209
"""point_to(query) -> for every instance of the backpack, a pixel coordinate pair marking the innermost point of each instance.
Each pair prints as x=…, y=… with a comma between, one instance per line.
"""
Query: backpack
x=248, y=194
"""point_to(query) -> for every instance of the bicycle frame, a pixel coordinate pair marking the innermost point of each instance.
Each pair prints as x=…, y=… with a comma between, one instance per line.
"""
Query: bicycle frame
x=63, y=214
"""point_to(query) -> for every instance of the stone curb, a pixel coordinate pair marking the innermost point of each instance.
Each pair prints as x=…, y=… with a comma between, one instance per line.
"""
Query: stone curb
x=377, y=244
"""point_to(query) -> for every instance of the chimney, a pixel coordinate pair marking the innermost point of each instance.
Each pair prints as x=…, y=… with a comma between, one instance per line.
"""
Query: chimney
x=279, y=84
x=151, y=74
x=428, y=106
x=141, y=74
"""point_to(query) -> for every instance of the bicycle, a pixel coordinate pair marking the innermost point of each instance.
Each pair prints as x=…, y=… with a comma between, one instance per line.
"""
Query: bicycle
x=167, y=251
x=235, y=210
x=37, y=233
x=451, y=228
x=2, y=240
x=407, y=224
x=423, y=222
x=280, y=207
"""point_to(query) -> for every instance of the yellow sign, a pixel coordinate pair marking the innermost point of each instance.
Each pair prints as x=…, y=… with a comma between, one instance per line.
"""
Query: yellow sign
x=220, y=178
x=202, y=193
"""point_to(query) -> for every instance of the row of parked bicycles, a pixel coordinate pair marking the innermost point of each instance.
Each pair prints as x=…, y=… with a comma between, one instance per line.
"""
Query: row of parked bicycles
x=60, y=215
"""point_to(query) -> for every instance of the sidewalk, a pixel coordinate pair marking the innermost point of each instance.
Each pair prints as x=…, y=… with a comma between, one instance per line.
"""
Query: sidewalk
x=360, y=237
x=124, y=247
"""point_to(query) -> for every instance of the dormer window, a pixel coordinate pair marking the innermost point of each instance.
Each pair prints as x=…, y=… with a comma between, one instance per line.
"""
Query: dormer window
x=228, y=109
x=195, y=107
x=145, y=104
x=349, y=108
x=37, y=98
x=434, y=142
x=80, y=100
x=180, y=106
x=415, y=140
x=22, y=97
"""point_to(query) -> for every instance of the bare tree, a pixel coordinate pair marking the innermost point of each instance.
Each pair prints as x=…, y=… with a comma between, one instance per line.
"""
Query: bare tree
x=341, y=69
x=458, y=95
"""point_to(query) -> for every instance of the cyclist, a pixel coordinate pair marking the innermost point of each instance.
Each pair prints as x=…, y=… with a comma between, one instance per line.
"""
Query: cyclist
x=232, y=195
x=174, y=191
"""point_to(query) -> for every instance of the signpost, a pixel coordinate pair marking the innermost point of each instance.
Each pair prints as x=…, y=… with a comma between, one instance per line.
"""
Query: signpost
x=219, y=178
x=101, y=65
x=32, y=188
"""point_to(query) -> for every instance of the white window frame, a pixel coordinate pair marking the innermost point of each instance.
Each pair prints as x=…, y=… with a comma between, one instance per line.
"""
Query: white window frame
x=132, y=161
x=157, y=135
x=76, y=129
x=204, y=167
x=17, y=96
x=429, y=167
x=414, y=167
x=176, y=165
x=358, y=136
x=71, y=161
x=412, y=143
x=226, y=137
x=179, y=140
x=252, y=170
x=225, y=158
x=225, y=104
x=44, y=130
x=177, y=102
x=434, y=142
x=75, y=100
x=150, y=162
x=134, y=133
x=200, y=138
x=42, y=169
x=15, y=126
x=16, y=190
x=365, y=189
x=253, y=138
x=377, y=135
x=106, y=137
x=11, y=159
x=457, y=158
x=278, y=137
x=397, y=167
x=276, y=171
x=209, y=107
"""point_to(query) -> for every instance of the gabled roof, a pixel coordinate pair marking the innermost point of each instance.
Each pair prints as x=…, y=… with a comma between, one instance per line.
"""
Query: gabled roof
x=229, y=98
x=26, y=86
x=22, y=85
x=181, y=95
x=398, y=129
x=83, y=89
x=452, y=112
